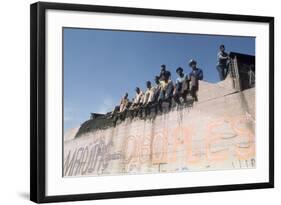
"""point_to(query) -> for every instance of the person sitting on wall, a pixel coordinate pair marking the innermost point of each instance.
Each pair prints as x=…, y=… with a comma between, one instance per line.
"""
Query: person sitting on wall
x=156, y=89
x=153, y=99
x=222, y=64
x=195, y=75
x=163, y=72
x=138, y=98
x=166, y=91
x=122, y=106
x=182, y=86
x=148, y=95
x=148, y=98
x=124, y=103
x=137, y=101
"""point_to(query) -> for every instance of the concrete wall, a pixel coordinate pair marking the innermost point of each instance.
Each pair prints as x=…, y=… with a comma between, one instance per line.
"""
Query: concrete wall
x=218, y=132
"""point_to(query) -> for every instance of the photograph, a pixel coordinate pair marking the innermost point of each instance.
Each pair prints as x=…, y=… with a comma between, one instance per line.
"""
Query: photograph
x=142, y=102
x=134, y=102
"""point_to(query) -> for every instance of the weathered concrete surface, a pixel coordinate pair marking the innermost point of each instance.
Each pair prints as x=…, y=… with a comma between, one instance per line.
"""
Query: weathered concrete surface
x=70, y=134
x=218, y=132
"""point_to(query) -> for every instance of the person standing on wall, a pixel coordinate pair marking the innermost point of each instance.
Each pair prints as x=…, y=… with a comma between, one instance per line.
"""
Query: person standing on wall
x=222, y=65
x=195, y=75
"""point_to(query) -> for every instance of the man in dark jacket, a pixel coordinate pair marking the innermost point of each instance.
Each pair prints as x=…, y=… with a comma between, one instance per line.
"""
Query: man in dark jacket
x=195, y=75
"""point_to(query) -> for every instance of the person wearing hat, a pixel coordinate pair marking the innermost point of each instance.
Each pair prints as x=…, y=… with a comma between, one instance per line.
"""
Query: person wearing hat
x=195, y=75
x=182, y=85
x=222, y=64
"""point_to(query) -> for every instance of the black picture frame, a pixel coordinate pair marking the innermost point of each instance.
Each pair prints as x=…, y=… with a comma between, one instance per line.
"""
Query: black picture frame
x=38, y=97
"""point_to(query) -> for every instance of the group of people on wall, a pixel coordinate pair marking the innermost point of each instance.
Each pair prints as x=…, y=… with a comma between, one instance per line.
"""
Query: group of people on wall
x=165, y=90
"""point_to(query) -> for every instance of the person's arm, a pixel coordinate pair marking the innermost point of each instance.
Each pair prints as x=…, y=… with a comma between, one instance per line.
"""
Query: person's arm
x=200, y=75
x=220, y=56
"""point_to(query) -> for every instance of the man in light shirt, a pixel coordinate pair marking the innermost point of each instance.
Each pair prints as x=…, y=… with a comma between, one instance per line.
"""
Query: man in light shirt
x=153, y=96
x=166, y=91
x=122, y=106
x=124, y=103
x=149, y=94
x=138, y=98
x=148, y=98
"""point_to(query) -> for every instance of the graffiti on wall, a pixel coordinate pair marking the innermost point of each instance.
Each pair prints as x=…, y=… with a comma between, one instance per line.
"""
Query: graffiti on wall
x=227, y=142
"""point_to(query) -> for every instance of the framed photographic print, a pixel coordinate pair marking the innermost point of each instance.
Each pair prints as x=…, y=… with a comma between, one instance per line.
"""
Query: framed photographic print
x=129, y=102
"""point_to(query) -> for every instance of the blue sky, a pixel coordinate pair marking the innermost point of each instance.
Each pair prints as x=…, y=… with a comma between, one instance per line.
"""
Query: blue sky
x=101, y=65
